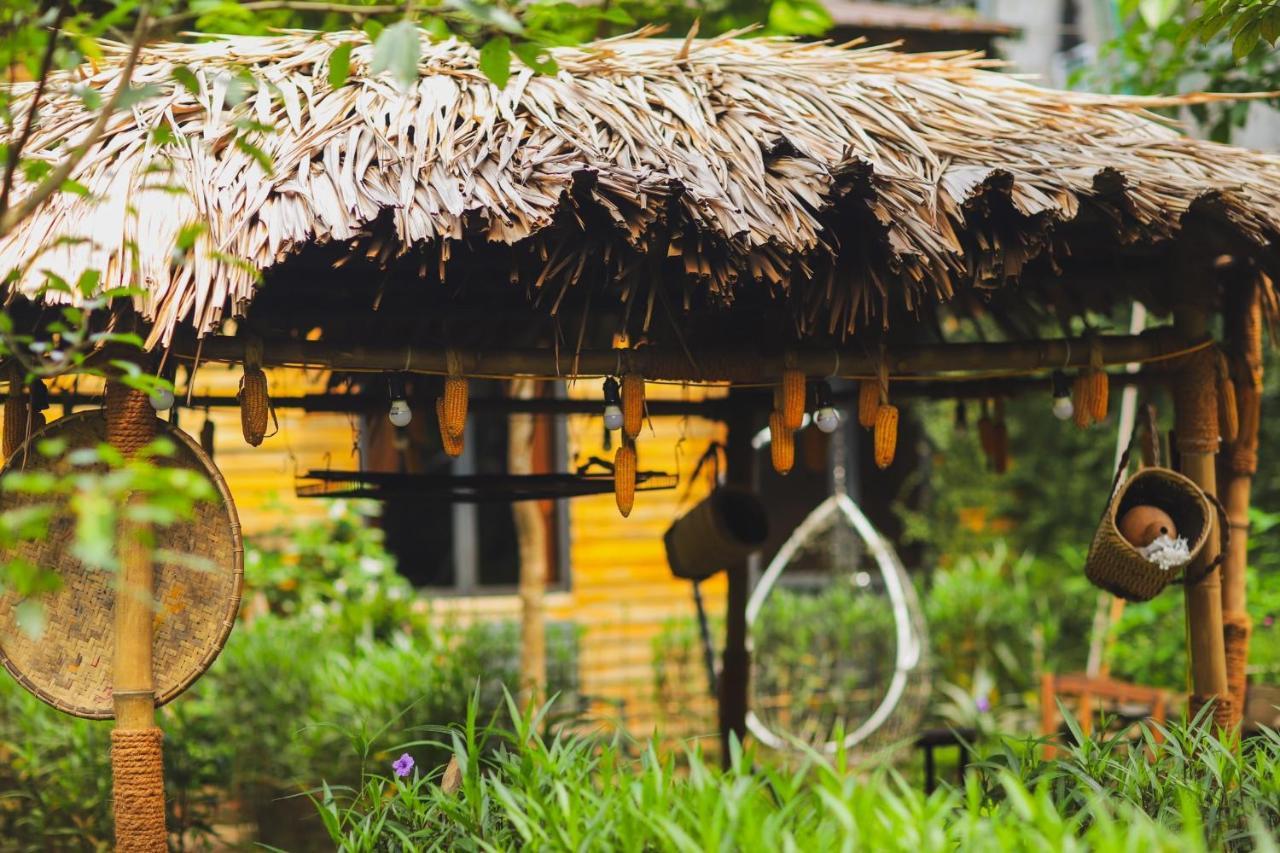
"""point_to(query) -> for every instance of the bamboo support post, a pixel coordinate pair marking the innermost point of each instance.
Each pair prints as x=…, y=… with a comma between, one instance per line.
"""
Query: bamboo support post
x=136, y=758
x=744, y=365
x=733, y=687
x=1243, y=321
x=531, y=536
x=1196, y=427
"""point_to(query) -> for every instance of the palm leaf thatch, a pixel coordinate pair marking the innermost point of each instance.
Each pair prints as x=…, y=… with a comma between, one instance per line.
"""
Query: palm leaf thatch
x=847, y=180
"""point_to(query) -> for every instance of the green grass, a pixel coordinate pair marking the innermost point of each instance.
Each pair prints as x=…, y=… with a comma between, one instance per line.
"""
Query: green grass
x=523, y=790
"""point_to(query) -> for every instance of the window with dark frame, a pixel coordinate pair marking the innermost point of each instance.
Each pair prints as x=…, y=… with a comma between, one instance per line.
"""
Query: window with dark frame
x=464, y=548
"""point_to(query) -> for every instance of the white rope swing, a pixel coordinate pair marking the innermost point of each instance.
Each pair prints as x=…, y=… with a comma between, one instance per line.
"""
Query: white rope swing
x=910, y=641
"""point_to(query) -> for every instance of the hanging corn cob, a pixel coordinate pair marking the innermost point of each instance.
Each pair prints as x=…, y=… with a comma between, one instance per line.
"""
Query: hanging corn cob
x=255, y=402
x=632, y=404
x=987, y=439
x=15, y=415
x=453, y=419
x=782, y=444
x=624, y=477
x=793, y=398
x=451, y=444
x=1228, y=409
x=868, y=402
x=1081, y=405
x=886, y=435
x=999, y=440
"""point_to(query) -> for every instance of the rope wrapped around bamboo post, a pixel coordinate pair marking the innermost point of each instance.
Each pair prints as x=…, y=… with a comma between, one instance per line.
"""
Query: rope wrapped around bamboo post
x=137, y=768
x=1223, y=714
x=1236, y=629
x=137, y=765
x=1195, y=395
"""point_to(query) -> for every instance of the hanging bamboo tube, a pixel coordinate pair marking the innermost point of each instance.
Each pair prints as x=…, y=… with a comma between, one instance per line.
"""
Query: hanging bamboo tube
x=1195, y=406
x=1243, y=322
x=136, y=760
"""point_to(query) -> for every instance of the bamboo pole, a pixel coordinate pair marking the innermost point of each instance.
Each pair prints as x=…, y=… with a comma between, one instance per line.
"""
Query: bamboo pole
x=1243, y=321
x=136, y=759
x=733, y=687
x=531, y=538
x=1195, y=409
x=742, y=365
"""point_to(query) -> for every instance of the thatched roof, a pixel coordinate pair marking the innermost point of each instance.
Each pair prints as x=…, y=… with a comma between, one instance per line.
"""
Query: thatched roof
x=851, y=181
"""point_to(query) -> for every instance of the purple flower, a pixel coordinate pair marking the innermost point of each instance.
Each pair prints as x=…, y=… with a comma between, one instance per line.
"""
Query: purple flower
x=1269, y=620
x=983, y=704
x=403, y=765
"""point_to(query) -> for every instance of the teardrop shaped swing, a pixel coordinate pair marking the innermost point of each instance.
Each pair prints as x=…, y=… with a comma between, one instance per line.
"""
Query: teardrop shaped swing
x=823, y=672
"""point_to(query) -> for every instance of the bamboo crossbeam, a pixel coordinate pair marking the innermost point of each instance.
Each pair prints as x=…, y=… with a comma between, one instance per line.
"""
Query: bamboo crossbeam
x=715, y=408
x=743, y=366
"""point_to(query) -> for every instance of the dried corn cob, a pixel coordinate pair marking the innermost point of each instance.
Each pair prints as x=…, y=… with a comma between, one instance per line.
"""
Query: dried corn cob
x=1228, y=408
x=886, y=435
x=15, y=419
x=999, y=440
x=624, y=477
x=451, y=444
x=632, y=404
x=1081, y=401
x=782, y=444
x=255, y=403
x=454, y=411
x=793, y=398
x=868, y=402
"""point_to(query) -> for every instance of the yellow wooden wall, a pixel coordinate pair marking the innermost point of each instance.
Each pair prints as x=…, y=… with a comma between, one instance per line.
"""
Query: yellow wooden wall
x=620, y=593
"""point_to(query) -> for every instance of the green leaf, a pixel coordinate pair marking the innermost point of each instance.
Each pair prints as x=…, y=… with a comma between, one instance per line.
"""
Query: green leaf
x=340, y=64
x=30, y=617
x=798, y=17
x=88, y=282
x=1245, y=41
x=536, y=56
x=187, y=79
x=136, y=95
x=495, y=60
x=488, y=14
x=1156, y=12
x=263, y=158
x=398, y=50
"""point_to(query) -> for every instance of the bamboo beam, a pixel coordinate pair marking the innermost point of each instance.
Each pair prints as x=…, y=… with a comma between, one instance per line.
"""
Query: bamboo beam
x=1196, y=428
x=715, y=408
x=1243, y=325
x=745, y=365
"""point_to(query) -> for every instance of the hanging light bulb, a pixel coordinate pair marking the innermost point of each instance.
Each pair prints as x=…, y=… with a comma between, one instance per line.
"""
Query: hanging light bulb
x=612, y=405
x=399, y=414
x=1062, y=407
x=827, y=417
x=162, y=399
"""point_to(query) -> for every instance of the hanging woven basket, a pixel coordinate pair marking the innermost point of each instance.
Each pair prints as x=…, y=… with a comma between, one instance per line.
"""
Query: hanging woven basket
x=1116, y=565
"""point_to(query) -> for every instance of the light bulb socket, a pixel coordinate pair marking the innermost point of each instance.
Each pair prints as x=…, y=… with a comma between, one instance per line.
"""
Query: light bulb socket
x=395, y=386
x=612, y=393
x=822, y=395
x=1061, y=385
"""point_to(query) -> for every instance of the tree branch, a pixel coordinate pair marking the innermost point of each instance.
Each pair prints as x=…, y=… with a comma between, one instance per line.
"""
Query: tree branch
x=54, y=181
x=46, y=65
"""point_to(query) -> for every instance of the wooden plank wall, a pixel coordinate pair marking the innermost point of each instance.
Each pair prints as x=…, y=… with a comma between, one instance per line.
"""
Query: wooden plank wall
x=621, y=594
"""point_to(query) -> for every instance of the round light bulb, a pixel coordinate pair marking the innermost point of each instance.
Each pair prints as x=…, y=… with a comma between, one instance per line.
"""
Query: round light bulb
x=827, y=419
x=162, y=399
x=612, y=417
x=400, y=413
x=1062, y=408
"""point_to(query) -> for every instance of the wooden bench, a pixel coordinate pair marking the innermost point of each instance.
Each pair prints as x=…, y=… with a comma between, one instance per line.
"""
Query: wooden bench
x=1125, y=701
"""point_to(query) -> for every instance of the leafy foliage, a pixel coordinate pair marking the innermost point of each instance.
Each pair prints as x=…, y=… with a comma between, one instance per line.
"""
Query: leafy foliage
x=520, y=789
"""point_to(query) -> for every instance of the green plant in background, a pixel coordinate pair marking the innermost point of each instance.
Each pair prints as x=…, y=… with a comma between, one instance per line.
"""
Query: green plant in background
x=340, y=644
x=520, y=790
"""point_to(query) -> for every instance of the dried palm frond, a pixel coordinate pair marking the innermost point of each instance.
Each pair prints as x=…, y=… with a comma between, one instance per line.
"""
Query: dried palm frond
x=775, y=157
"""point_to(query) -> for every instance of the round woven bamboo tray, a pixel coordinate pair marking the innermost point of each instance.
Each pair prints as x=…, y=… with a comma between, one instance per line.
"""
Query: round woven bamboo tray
x=197, y=589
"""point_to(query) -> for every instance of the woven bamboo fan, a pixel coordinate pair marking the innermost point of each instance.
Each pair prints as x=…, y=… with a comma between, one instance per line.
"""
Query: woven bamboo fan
x=197, y=591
